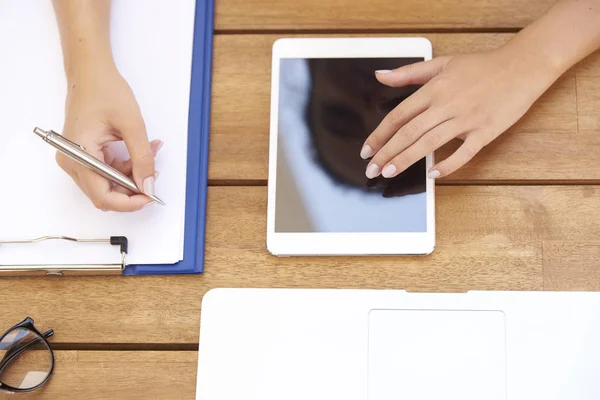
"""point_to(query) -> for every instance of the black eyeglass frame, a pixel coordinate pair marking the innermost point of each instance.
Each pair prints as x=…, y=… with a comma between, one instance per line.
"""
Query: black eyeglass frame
x=13, y=353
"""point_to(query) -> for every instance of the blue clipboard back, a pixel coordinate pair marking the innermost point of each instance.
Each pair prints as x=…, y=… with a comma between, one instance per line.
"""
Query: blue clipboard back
x=197, y=154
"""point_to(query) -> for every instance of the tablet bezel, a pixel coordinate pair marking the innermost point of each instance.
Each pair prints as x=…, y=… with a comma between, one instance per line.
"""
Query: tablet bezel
x=342, y=243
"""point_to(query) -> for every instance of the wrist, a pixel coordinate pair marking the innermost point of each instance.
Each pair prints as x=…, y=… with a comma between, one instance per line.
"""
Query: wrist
x=536, y=64
x=87, y=49
x=85, y=36
x=89, y=65
x=559, y=39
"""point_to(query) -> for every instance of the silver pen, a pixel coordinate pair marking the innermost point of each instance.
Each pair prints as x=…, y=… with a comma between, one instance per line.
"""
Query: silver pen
x=77, y=153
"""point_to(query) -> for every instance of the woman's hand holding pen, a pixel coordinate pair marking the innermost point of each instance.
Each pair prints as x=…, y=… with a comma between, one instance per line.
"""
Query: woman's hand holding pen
x=101, y=108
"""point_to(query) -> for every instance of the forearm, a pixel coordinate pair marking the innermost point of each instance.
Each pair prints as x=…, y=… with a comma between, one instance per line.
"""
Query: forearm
x=84, y=27
x=567, y=33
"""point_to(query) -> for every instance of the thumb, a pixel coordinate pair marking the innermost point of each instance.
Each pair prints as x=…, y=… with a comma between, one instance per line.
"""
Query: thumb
x=413, y=74
x=142, y=157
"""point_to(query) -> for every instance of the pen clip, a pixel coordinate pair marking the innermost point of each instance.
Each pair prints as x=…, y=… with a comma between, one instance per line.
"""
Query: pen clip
x=69, y=141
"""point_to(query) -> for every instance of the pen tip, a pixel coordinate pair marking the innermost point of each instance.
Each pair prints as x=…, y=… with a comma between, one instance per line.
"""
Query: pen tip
x=159, y=201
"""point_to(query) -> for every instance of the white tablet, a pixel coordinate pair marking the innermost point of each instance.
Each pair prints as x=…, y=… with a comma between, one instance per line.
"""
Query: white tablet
x=325, y=101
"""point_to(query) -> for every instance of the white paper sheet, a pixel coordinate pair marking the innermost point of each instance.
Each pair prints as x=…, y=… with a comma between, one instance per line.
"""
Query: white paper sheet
x=152, y=44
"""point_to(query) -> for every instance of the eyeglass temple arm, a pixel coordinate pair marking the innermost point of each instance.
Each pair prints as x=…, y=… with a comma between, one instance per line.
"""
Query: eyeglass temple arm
x=14, y=352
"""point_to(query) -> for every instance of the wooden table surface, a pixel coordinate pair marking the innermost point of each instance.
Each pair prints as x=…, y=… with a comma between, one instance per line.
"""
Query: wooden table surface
x=523, y=215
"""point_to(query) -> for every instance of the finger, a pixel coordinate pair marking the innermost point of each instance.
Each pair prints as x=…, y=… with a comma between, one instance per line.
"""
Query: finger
x=456, y=160
x=413, y=74
x=126, y=166
x=405, y=137
x=121, y=189
x=398, y=117
x=142, y=157
x=427, y=144
x=117, y=188
x=70, y=167
x=410, y=182
x=155, y=146
x=98, y=189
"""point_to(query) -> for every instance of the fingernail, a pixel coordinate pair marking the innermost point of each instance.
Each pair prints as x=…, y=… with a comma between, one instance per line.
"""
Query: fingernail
x=156, y=174
x=366, y=152
x=388, y=171
x=149, y=186
x=160, y=145
x=372, y=171
x=383, y=71
x=434, y=174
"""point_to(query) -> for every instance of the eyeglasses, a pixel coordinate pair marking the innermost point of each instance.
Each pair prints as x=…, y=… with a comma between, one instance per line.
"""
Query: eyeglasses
x=26, y=359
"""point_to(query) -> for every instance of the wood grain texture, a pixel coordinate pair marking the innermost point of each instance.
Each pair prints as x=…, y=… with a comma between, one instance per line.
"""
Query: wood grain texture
x=376, y=15
x=488, y=238
x=588, y=105
x=590, y=66
x=572, y=264
x=96, y=375
x=541, y=146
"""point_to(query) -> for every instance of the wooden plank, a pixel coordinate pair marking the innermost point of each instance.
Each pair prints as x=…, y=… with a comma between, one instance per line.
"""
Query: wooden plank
x=489, y=238
x=572, y=264
x=590, y=66
x=128, y=375
x=588, y=105
x=538, y=147
x=376, y=14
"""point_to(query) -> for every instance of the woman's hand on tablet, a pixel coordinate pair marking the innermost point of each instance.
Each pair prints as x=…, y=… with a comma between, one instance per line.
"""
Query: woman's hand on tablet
x=473, y=97
x=476, y=97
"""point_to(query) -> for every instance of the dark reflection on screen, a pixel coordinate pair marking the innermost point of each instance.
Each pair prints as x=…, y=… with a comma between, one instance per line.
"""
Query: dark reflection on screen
x=327, y=108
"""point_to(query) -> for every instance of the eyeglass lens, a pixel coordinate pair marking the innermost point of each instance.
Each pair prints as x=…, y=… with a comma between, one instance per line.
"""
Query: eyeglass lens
x=25, y=359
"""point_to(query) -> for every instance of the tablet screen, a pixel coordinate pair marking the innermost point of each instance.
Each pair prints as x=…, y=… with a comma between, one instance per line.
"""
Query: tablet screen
x=327, y=109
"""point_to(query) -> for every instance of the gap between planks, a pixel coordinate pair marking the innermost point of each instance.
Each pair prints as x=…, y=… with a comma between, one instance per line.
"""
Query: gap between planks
x=124, y=346
x=548, y=182
x=363, y=31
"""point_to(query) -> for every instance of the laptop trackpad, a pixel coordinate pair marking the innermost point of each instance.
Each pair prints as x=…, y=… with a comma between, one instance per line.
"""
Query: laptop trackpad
x=426, y=355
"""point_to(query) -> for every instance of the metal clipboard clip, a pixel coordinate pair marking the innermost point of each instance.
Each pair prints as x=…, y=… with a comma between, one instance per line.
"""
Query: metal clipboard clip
x=68, y=269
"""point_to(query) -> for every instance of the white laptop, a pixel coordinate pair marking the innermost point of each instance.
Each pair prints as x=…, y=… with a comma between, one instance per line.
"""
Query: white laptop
x=276, y=344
